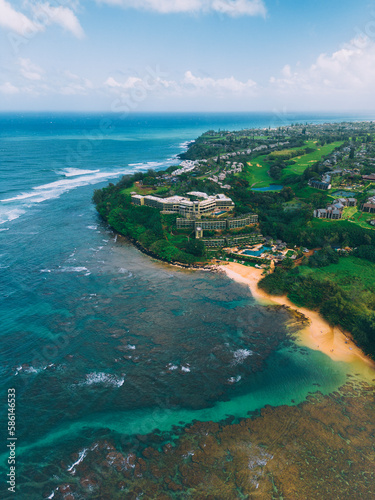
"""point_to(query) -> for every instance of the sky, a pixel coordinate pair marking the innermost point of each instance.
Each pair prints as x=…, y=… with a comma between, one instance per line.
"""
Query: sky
x=187, y=55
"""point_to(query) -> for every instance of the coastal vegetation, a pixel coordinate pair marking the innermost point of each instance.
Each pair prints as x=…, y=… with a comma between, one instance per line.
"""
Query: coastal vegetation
x=338, y=276
x=147, y=226
x=342, y=290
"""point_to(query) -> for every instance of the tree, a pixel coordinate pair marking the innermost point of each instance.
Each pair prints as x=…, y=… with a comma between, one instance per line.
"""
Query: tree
x=195, y=247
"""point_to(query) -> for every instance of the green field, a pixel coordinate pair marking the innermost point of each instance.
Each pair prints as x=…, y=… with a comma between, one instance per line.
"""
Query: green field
x=360, y=218
x=257, y=176
x=302, y=162
x=351, y=273
x=143, y=191
x=351, y=214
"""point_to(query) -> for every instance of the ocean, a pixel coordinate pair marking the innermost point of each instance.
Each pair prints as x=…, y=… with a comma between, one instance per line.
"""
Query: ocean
x=102, y=343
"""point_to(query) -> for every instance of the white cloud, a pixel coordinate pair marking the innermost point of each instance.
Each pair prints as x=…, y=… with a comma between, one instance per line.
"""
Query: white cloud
x=188, y=85
x=350, y=69
x=16, y=21
x=229, y=7
x=130, y=83
x=240, y=7
x=62, y=16
x=150, y=81
x=29, y=70
x=8, y=88
x=43, y=15
x=229, y=84
x=71, y=84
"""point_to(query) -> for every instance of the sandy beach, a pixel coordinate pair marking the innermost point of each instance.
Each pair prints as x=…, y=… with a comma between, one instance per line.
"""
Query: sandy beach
x=318, y=334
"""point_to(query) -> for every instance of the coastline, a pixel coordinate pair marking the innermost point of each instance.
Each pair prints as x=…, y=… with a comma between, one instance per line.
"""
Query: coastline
x=318, y=334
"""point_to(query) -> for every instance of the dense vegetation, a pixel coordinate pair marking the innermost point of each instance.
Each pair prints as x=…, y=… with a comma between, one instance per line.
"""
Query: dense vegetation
x=340, y=292
x=151, y=229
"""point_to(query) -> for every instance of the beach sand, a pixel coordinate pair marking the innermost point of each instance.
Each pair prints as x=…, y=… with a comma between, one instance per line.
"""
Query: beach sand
x=318, y=334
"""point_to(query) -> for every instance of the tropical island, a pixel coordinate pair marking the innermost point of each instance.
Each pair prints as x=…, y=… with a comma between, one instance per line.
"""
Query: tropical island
x=295, y=202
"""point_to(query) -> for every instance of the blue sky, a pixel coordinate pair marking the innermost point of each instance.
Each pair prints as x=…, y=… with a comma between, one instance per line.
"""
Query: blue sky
x=187, y=55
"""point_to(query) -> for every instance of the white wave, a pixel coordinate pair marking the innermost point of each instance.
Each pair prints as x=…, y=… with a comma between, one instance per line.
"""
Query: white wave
x=171, y=366
x=31, y=369
x=185, y=369
x=73, y=179
x=240, y=355
x=103, y=379
x=132, y=347
x=73, y=269
x=122, y=270
x=233, y=380
x=94, y=228
x=81, y=457
x=4, y=229
x=151, y=164
x=73, y=172
x=55, y=189
x=11, y=214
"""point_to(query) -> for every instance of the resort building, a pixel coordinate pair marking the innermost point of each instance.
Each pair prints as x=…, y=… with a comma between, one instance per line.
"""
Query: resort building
x=191, y=209
x=320, y=184
x=335, y=210
x=369, y=207
x=330, y=212
x=231, y=241
x=217, y=224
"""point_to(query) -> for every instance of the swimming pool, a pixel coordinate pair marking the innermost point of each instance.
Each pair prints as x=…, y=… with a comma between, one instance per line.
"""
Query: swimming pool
x=258, y=253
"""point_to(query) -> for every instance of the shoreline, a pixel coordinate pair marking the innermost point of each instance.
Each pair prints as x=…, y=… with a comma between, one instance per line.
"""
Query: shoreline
x=318, y=334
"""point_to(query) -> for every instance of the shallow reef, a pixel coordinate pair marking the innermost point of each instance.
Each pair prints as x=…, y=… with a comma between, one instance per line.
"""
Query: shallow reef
x=322, y=448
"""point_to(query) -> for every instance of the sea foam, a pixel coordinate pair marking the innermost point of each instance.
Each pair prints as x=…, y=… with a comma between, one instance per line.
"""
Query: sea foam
x=101, y=378
x=240, y=355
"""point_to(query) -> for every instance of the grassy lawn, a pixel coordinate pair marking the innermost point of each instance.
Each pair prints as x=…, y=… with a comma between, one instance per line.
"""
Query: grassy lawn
x=352, y=214
x=306, y=192
x=143, y=191
x=256, y=172
x=349, y=212
x=360, y=218
x=351, y=273
x=302, y=162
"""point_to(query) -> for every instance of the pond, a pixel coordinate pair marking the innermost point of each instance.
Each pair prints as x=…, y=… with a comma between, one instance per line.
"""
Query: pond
x=273, y=187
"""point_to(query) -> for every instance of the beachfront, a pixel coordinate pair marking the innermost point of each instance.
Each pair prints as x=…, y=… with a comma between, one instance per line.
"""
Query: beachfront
x=318, y=334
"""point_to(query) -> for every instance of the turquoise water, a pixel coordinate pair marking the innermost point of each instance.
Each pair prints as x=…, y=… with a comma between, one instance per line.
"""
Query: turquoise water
x=347, y=194
x=273, y=187
x=258, y=253
x=98, y=339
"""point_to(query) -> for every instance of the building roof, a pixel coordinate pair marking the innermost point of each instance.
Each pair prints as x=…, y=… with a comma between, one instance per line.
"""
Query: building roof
x=198, y=194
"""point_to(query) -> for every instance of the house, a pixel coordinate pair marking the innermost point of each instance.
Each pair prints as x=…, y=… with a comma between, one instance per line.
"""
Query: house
x=370, y=177
x=320, y=185
x=369, y=207
x=320, y=213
